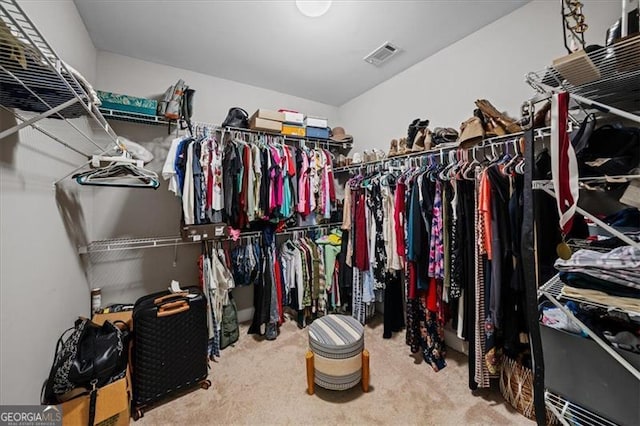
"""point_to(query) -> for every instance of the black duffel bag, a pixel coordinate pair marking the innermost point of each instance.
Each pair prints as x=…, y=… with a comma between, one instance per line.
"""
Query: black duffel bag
x=611, y=150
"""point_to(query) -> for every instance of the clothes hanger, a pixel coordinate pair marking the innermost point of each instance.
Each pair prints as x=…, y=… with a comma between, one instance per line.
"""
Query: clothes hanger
x=509, y=166
x=119, y=175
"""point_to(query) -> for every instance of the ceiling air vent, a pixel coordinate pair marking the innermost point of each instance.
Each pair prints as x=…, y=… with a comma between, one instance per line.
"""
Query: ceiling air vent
x=382, y=54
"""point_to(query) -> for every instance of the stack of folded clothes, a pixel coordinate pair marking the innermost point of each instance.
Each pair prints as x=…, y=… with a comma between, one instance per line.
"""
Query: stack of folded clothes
x=611, y=278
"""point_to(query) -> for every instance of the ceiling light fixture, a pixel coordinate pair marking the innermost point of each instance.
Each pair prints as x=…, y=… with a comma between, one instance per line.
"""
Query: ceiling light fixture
x=313, y=9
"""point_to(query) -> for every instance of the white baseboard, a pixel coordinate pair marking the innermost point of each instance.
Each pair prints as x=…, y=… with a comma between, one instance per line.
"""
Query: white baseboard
x=452, y=340
x=245, y=315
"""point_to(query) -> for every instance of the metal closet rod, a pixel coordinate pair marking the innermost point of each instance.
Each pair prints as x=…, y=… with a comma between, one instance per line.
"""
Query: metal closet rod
x=120, y=244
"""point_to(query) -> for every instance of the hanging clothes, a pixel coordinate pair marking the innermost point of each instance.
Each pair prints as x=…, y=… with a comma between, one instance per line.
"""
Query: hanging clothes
x=241, y=182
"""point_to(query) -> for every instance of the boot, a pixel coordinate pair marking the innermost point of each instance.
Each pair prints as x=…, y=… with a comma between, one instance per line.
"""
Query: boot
x=428, y=140
x=419, y=142
x=510, y=125
x=402, y=146
x=393, y=149
x=540, y=119
x=411, y=132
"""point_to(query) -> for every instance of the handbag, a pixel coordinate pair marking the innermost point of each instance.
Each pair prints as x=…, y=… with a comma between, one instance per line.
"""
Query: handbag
x=236, y=117
x=611, y=150
x=230, y=330
x=90, y=357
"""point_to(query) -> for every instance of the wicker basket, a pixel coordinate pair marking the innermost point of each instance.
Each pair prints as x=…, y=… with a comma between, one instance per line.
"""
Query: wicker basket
x=516, y=385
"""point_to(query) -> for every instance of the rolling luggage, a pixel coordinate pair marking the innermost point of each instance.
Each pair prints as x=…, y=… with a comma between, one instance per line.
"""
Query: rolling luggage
x=169, y=346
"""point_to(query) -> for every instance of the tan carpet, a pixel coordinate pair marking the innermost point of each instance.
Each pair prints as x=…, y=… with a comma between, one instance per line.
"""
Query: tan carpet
x=264, y=382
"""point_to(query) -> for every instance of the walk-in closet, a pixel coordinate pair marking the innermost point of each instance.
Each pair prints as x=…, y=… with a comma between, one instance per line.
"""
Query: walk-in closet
x=319, y=212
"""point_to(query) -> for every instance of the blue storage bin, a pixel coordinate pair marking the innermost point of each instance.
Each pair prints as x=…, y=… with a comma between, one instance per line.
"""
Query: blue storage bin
x=128, y=103
x=315, y=132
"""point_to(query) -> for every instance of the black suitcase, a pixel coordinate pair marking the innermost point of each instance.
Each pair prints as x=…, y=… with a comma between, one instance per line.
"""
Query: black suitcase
x=169, y=346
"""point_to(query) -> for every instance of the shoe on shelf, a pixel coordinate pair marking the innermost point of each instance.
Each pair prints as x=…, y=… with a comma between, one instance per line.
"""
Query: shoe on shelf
x=510, y=125
x=418, y=143
x=393, y=148
x=380, y=154
x=428, y=140
x=471, y=133
x=369, y=156
x=444, y=135
x=402, y=146
x=412, y=132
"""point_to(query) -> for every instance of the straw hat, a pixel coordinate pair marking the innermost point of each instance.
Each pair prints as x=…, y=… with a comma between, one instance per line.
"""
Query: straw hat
x=339, y=135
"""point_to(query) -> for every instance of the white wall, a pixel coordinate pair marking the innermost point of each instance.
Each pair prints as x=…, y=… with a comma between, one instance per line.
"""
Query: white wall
x=214, y=96
x=62, y=27
x=43, y=287
x=490, y=63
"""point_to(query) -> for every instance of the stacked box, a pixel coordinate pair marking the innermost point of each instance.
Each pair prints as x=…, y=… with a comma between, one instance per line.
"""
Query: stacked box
x=266, y=121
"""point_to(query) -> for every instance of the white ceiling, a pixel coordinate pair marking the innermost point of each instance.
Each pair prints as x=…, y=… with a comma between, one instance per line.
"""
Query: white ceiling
x=271, y=45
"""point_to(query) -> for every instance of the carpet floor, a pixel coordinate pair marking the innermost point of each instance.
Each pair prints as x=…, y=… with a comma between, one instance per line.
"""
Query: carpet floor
x=264, y=382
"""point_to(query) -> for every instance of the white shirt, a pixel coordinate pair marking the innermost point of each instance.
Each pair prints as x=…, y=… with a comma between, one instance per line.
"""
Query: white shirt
x=188, y=193
x=169, y=170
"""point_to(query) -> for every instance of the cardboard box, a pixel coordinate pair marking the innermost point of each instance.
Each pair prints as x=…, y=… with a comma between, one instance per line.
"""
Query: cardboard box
x=319, y=122
x=208, y=231
x=125, y=316
x=314, y=132
x=269, y=115
x=112, y=405
x=577, y=68
x=293, y=117
x=291, y=130
x=264, y=125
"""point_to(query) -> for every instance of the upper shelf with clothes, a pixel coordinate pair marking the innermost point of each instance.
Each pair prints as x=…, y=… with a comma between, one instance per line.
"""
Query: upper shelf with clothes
x=441, y=150
x=249, y=134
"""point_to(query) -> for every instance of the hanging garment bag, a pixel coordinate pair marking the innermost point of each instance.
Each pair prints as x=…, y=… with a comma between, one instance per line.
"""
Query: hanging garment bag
x=170, y=345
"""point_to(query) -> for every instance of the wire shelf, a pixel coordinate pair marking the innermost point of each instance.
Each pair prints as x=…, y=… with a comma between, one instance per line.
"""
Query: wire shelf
x=35, y=80
x=610, y=75
x=121, y=244
x=33, y=77
x=132, y=117
x=328, y=143
x=538, y=134
x=554, y=287
x=573, y=414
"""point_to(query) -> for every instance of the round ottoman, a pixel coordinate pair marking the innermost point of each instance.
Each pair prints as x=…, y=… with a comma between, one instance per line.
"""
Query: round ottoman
x=336, y=358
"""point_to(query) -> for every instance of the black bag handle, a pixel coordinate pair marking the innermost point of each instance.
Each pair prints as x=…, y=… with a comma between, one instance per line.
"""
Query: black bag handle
x=47, y=386
x=246, y=115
